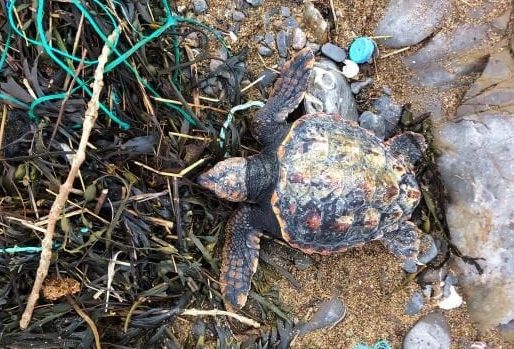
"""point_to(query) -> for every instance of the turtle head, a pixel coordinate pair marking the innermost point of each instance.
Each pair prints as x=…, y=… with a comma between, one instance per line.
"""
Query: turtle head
x=227, y=179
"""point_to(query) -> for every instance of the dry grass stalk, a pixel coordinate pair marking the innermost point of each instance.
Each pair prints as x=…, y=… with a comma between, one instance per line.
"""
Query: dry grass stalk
x=58, y=205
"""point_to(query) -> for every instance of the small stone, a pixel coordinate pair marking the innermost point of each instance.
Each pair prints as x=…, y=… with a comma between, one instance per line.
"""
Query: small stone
x=285, y=11
x=299, y=39
x=431, y=248
x=255, y=3
x=350, y=69
x=199, y=6
x=357, y=86
x=269, y=40
x=335, y=53
x=409, y=265
x=238, y=16
x=314, y=47
x=269, y=78
x=415, y=304
x=282, y=43
x=430, y=332
x=477, y=345
x=329, y=92
x=389, y=111
x=265, y=51
x=329, y=314
x=374, y=123
x=291, y=23
x=315, y=22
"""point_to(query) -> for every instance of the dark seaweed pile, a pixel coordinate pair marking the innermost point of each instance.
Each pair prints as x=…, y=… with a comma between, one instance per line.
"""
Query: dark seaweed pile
x=155, y=232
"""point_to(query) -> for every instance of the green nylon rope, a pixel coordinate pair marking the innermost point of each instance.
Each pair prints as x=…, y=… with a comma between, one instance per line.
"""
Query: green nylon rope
x=55, y=54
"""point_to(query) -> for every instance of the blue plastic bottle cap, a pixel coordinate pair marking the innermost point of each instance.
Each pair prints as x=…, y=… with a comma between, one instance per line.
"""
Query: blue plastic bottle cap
x=361, y=50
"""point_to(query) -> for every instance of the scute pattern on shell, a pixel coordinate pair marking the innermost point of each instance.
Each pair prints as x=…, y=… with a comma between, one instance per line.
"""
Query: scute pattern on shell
x=338, y=185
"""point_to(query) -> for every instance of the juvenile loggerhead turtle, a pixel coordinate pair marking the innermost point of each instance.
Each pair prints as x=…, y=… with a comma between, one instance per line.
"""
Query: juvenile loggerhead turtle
x=322, y=183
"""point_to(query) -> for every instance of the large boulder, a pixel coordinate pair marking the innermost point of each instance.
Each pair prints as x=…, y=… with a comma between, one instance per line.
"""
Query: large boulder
x=409, y=22
x=477, y=168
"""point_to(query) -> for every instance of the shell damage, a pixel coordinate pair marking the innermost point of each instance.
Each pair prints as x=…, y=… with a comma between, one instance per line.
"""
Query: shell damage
x=338, y=185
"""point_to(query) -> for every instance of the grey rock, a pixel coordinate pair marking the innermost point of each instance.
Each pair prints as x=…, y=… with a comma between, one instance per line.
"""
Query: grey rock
x=410, y=22
x=291, y=23
x=282, y=43
x=329, y=314
x=507, y=331
x=238, y=16
x=389, y=111
x=334, y=52
x=299, y=39
x=285, y=11
x=269, y=78
x=265, y=51
x=357, y=86
x=431, y=250
x=374, y=123
x=255, y=3
x=269, y=40
x=314, y=47
x=409, y=266
x=430, y=332
x=315, y=23
x=199, y=6
x=329, y=92
x=415, y=304
x=477, y=169
x=449, y=56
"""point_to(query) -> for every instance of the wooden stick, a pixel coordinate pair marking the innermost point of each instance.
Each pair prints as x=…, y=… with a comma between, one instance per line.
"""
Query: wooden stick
x=55, y=212
x=216, y=312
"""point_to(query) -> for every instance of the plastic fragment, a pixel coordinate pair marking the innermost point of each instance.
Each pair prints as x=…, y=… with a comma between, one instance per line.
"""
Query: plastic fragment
x=362, y=49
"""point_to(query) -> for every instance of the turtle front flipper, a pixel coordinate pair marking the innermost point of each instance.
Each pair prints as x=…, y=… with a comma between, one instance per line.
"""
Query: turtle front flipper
x=288, y=92
x=240, y=256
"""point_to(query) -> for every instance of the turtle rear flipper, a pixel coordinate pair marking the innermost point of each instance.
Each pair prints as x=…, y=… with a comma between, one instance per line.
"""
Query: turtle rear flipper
x=287, y=94
x=409, y=145
x=240, y=257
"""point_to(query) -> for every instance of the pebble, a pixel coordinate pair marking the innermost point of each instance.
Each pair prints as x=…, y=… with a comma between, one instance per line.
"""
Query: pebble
x=415, y=304
x=315, y=22
x=314, y=47
x=350, y=69
x=329, y=314
x=430, y=332
x=357, y=86
x=477, y=345
x=334, y=52
x=432, y=251
x=375, y=123
x=299, y=39
x=255, y=3
x=269, y=78
x=269, y=40
x=282, y=43
x=265, y=51
x=389, y=111
x=291, y=23
x=199, y=6
x=285, y=11
x=238, y=16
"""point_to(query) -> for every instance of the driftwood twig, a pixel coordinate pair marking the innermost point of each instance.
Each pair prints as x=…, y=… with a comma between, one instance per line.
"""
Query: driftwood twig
x=55, y=212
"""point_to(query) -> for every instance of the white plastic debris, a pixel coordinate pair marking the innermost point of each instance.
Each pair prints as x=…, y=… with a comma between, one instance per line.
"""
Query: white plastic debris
x=454, y=300
x=350, y=69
